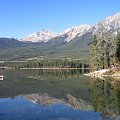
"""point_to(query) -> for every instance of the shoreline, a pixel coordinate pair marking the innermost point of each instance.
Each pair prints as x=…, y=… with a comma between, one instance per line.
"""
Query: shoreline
x=7, y=68
x=103, y=73
x=52, y=68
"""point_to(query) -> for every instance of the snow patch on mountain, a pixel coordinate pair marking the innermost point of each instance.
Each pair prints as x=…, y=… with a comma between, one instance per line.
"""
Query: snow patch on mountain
x=41, y=36
x=75, y=31
x=110, y=23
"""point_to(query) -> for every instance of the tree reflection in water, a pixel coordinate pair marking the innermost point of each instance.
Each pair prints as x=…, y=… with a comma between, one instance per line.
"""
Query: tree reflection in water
x=105, y=97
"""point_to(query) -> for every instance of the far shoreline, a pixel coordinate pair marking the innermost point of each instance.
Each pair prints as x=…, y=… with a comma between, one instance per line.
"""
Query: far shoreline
x=52, y=68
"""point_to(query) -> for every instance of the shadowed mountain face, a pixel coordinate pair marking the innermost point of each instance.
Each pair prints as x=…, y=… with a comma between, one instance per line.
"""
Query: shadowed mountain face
x=6, y=43
x=73, y=42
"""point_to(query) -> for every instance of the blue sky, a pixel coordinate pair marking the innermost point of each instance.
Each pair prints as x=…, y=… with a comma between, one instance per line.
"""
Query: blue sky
x=19, y=18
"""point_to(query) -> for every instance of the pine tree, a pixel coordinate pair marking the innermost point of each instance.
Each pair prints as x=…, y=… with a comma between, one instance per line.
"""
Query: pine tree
x=118, y=47
x=94, y=52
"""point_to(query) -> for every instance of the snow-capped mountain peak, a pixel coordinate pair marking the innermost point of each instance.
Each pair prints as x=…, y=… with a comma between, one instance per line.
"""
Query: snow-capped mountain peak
x=46, y=35
x=75, y=31
x=41, y=36
x=114, y=17
x=109, y=23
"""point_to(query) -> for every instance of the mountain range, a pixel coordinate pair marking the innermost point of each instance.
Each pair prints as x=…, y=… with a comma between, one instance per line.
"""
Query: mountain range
x=46, y=35
x=71, y=43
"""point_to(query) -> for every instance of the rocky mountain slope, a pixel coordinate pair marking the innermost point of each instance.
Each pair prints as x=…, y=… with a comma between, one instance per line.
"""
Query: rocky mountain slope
x=41, y=36
x=111, y=23
x=46, y=35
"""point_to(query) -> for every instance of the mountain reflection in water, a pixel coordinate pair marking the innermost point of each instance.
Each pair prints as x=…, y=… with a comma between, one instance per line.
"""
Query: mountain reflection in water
x=45, y=99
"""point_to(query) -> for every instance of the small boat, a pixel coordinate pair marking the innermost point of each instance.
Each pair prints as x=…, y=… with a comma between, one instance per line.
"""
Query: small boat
x=1, y=77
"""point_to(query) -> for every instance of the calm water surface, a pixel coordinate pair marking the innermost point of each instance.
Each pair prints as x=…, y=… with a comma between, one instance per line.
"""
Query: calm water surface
x=57, y=95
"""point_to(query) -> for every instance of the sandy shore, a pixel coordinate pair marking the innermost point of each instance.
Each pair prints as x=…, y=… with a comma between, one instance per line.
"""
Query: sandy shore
x=103, y=73
x=98, y=73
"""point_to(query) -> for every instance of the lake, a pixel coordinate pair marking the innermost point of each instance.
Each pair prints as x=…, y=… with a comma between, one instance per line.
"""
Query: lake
x=57, y=95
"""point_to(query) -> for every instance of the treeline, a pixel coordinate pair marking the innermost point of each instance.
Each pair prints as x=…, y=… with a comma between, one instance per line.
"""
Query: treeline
x=51, y=63
x=105, y=51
